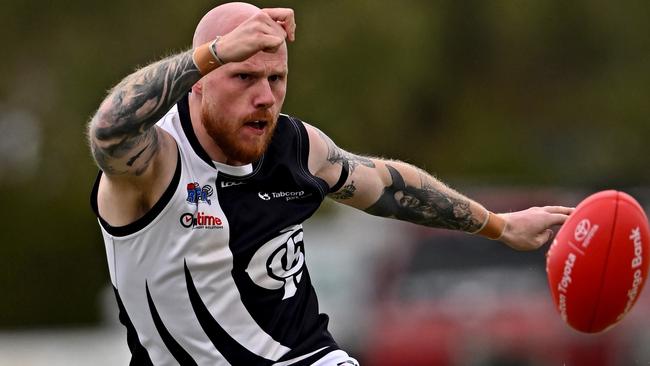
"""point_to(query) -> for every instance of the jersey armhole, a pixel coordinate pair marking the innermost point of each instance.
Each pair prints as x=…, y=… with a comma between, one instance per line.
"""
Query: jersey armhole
x=303, y=156
x=148, y=217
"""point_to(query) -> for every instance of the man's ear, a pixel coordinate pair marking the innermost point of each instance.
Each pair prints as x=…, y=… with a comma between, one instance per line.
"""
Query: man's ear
x=197, y=88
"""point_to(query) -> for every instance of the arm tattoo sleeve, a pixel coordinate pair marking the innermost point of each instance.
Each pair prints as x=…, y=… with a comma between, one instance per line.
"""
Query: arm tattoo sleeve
x=424, y=205
x=122, y=139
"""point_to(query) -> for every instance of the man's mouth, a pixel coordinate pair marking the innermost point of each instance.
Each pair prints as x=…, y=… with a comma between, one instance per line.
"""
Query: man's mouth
x=258, y=125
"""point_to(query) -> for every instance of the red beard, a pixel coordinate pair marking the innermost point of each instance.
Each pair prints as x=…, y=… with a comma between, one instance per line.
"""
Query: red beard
x=226, y=134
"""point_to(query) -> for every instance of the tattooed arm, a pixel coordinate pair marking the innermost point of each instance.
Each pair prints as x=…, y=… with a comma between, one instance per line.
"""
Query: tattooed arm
x=394, y=189
x=121, y=137
x=138, y=159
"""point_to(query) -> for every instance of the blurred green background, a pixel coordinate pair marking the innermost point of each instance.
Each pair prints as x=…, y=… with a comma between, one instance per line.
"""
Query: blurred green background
x=529, y=94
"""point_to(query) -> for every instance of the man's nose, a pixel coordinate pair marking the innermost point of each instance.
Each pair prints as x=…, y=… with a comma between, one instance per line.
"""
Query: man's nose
x=264, y=97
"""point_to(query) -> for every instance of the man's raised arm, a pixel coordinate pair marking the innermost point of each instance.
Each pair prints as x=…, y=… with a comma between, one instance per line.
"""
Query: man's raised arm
x=395, y=189
x=120, y=133
x=121, y=137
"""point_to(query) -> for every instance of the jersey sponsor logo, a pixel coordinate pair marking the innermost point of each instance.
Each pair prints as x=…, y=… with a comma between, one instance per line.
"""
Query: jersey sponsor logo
x=225, y=184
x=288, y=196
x=200, y=221
x=280, y=262
x=196, y=193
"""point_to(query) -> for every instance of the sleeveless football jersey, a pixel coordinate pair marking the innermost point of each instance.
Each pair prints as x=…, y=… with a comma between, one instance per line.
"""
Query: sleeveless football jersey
x=214, y=273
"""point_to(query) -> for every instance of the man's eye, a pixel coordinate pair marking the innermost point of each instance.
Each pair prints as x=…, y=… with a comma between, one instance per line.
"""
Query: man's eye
x=243, y=76
x=274, y=78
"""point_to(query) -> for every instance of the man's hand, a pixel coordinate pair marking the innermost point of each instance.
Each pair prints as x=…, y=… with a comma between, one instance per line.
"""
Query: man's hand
x=530, y=229
x=264, y=31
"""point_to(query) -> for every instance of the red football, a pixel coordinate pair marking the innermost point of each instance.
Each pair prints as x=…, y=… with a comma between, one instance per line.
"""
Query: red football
x=598, y=262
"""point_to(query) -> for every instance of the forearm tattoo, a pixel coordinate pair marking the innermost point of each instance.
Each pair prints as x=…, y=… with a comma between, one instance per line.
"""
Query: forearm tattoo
x=122, y=139
x=424, y=205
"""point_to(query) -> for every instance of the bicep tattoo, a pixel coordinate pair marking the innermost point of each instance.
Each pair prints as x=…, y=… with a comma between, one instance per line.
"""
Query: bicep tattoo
x=424, y=205
x=336, y=155
x=121, y=135
x=345, y=193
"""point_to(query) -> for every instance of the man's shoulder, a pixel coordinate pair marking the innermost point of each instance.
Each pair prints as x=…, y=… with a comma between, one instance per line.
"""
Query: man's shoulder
x=290, y=125
x=289, y=117
x=290, y=135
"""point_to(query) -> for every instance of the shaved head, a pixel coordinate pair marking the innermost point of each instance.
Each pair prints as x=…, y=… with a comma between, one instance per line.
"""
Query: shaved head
x=221, y=20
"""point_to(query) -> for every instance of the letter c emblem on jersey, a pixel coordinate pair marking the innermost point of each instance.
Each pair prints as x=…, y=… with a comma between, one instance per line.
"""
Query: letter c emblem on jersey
x=279, y=262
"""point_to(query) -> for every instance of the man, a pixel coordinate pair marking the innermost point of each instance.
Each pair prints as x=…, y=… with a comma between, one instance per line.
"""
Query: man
x=204, y=188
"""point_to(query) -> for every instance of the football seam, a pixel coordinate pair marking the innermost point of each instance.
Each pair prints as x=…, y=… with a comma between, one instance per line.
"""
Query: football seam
x=604, y=274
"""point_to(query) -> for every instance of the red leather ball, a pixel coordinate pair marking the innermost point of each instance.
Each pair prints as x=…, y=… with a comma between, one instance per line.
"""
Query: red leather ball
x=598, y=263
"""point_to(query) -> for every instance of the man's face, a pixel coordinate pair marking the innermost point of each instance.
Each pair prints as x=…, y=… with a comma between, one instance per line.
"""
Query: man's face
x=241, y=102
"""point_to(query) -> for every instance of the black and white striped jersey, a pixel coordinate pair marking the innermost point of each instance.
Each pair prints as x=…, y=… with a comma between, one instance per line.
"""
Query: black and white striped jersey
x=215, y=273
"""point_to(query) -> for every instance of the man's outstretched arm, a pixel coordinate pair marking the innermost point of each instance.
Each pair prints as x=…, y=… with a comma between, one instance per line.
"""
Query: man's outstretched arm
x=398, y=190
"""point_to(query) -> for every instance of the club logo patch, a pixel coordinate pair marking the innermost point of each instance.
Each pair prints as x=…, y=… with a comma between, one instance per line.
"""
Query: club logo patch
x=196, y=193
x=280, y=262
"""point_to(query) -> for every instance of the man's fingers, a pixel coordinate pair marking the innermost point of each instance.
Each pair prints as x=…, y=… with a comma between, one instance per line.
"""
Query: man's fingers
x=559, y=209
x=270, y=27
x=271, y=43
x=557, y=219
x=285, y=18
